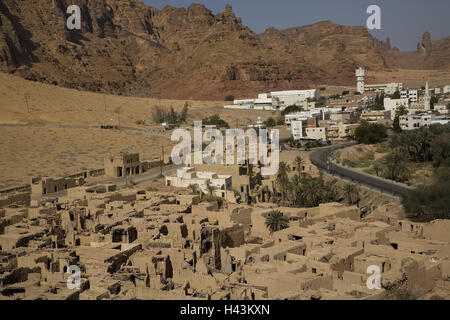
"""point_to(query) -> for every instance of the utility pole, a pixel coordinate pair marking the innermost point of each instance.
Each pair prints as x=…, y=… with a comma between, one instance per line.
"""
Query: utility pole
x=27, y=96
x=104, y=102
x=162, y=160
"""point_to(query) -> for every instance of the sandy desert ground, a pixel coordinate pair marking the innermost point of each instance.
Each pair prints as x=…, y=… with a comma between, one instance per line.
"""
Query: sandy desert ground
x=48, y=130
x=60, y=134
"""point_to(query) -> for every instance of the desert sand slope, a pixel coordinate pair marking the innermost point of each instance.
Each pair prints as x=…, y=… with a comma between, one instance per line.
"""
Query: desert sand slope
x=50, y=104
x=60, y=134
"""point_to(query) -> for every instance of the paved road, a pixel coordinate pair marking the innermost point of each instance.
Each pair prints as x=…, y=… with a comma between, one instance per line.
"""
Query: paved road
x=320, y=159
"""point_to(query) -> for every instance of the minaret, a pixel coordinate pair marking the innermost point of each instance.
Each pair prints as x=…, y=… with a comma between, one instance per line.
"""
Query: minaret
x=360, y=75
x=427, y=98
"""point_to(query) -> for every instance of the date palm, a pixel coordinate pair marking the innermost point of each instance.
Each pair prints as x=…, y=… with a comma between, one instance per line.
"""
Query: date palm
x=283, y=178
x=194, y=187
x=311, y=192
x=351, y=194
x=276, y=221
x=296, y=182
x=210, y=189
x=298, y=163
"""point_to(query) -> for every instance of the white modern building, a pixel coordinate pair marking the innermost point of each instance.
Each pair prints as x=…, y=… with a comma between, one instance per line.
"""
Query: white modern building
x=360, y=79
x=387, y=88
x=393, y=104
x=446, y=89
x=320, y=113
x=318, y=133
x=188, y=175
x=441, y=108
x=292, y=97
x=411, y=122
x=268, y=103
x=297, y=129
x=411, y=95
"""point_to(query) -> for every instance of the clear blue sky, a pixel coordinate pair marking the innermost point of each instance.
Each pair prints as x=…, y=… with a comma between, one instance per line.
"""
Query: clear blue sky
x=404, y=21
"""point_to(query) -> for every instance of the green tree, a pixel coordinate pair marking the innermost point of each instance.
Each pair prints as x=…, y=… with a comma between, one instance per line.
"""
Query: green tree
x=400, y=111
x=298, y=163
x=396, y=95
x=194, y=187
x=396, y=167
x=312, y=192
x=172, y=117
x=210, y=189
x=427, y=203
x=378, y=168
x=291, y=109
x=216, y=121
x=440, y=150
x=159, y=115
x=271, y=122
x=283, y=178
x=184, y=113
x=229, y=98
x=276, y=221
x=351, y=194
x=280, y=122
x=370, y=133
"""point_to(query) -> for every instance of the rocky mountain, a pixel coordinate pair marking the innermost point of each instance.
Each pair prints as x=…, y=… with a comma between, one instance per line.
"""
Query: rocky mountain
x=126, y=47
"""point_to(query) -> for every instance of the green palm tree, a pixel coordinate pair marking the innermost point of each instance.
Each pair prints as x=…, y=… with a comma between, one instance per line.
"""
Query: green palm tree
x=194, y=187
x=351, y=194
x=276, y=221
x=296, y=183
x=210, y=189
x=283, y=178
x=311, y=192
x=298, y=163
x=378, y=167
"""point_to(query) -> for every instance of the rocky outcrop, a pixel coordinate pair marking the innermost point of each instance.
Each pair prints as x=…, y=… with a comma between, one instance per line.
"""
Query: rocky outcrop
x=126, y=47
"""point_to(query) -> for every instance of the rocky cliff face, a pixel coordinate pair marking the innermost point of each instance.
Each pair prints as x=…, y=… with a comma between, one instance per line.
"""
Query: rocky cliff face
x=126, y=47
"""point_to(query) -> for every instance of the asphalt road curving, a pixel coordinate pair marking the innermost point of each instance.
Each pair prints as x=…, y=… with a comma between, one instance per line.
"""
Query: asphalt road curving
x=319, y=158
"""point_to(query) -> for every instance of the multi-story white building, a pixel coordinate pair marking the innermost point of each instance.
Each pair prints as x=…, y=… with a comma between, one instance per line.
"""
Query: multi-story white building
x=388, y=88
x=297, y=129
x=321, y=113
x=393, y=104
x=377, y=115
x=412, y=95
x=411, y=122
x=318, y=133
x=187, y=176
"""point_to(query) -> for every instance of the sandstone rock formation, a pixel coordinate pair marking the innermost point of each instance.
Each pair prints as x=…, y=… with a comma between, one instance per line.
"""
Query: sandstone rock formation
x=126, y=47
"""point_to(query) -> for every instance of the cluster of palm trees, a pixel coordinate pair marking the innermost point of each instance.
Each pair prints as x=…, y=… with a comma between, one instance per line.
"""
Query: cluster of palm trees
x=421, y=145
x=304, y=191
x=195, y=189
x=418, y=144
